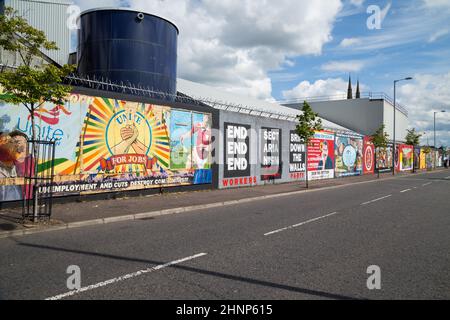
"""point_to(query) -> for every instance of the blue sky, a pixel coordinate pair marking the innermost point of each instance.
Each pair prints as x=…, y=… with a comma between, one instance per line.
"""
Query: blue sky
x=407, y=44
x=286, y=49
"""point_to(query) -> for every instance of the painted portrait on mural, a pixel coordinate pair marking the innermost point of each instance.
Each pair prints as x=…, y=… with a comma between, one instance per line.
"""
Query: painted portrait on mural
x=13, y=163
x=200, y=157
x=321, y=156
x=326, y=162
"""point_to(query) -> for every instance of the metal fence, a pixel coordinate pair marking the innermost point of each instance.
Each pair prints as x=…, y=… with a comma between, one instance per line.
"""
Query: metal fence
x=38, y=180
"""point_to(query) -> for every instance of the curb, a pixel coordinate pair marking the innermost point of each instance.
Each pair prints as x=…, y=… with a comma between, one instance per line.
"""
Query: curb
x=158, y=213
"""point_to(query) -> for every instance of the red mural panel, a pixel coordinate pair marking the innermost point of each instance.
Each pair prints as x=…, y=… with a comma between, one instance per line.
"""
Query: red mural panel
x=368, y=156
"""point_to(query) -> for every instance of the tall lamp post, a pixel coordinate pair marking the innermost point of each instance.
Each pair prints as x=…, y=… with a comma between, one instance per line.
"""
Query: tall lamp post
x=435, y=147
x=395, y=107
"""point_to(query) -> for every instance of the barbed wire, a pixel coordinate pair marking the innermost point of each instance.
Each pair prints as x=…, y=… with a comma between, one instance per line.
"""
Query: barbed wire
x=137, y=90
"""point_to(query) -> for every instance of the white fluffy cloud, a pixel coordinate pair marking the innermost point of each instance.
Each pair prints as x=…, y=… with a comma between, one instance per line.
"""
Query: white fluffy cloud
x=232, y=44
x=428, y=93
x=348, y=42
x=344, y=66
x=357, y=3
x=328, y=87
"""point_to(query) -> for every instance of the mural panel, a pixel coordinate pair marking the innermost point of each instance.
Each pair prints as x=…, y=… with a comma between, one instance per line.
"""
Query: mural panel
x=321, y=156
x=109, y=145
x=348, y=155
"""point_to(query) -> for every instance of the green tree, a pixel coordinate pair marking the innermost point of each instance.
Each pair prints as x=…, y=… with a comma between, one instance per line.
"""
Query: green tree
x=380, y=140
x=308, y=123
x=412, y=137
x=31, y=84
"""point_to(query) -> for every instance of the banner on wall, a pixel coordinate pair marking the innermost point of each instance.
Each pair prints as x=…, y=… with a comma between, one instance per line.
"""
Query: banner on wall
x=270, y=153
x=297, y=156
x=368, y=156
x=321, y=156
x=237, y=150
x=384, y=158
x=348, y=155
x=423, y=159
x=406, y=157
x=108, y=145
x=416, y=158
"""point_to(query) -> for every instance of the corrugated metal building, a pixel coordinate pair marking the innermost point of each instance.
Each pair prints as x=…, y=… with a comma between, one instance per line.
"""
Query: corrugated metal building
x=49, y=16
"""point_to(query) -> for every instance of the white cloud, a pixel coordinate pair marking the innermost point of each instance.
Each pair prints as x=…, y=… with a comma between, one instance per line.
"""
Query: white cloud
x=405, y=25
x=89, y=4
x=347, y=42
x=357, y=3
x=438, y=34
x=344, y=66
x=328, y=87
x=426, y=94
x=233, y=44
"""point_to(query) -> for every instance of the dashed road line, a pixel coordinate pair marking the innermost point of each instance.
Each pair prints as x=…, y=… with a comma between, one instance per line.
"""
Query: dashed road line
x=375, y=200
x=300, y=224
x=406, y=190
x=124, y=277
x=426, y=184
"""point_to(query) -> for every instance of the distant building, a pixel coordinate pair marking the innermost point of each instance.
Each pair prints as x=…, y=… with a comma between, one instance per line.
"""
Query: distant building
x=364, y=115
x=49, y=16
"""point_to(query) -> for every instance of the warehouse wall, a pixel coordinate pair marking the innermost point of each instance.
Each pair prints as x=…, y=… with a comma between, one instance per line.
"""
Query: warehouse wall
x=49, y=16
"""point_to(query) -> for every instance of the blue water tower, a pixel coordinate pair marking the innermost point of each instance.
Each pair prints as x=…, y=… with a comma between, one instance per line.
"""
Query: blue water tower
x=128, y=47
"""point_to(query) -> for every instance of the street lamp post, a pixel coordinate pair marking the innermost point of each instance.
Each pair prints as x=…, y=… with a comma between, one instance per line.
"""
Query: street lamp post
x=435, y=147
x=395, y=143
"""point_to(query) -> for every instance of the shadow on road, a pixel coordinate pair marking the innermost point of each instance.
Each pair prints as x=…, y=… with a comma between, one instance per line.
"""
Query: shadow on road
x=200, y=271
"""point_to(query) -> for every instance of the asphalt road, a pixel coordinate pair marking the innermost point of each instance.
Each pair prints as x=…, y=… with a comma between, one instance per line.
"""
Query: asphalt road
x=310, y=246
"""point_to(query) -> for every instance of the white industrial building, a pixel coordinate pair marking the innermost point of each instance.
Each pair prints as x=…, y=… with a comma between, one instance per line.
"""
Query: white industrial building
x=363, y=115
x=49, y=16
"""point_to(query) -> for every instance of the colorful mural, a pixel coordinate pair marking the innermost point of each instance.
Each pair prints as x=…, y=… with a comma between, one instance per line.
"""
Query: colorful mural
x=368, y=156
x=321, y=156
x=106, y=144
x=406, y=157
x=348, y=155
x=384, y=158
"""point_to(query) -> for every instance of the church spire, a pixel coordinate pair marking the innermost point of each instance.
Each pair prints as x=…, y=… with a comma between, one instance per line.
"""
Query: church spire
x=358, y=93
x=349, y=91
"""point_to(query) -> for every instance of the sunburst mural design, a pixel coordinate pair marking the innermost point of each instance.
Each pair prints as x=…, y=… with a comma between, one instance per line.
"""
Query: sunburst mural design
x=106, y=124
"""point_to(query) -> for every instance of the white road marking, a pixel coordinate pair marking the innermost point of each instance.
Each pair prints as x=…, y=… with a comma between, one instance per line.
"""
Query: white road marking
x=427, y=184
x=125, y=277
x=447, y=177
x=403, y=191
x=375, y=200
x=300, y=224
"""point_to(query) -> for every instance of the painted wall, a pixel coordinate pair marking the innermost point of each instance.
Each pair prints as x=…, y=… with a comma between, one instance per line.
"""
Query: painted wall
x=348, y=155
x=265, y=142
x=105, y=145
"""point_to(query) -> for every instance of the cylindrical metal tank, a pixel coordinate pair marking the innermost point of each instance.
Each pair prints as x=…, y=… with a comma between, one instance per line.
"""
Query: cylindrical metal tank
x=126, y=46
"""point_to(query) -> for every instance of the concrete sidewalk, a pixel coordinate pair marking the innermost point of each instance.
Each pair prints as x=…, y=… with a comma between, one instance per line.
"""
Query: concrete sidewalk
x=77, y=214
